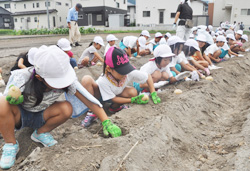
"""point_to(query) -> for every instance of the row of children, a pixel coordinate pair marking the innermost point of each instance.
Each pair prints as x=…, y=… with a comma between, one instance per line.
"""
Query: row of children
x=51, y=74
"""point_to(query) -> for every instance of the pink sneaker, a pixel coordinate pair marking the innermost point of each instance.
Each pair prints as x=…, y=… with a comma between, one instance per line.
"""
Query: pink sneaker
x=207, y=71
x=92, y=63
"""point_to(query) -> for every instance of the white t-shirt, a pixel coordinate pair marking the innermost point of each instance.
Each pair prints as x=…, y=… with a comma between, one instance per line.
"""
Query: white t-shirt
x=150, y=67
x=163, y=41
x=130, y=41
x=151, y=45
x=211, y=49
x=88, y=52
x=225, y=47
x=107, y=48
x=109, y=91
x=178, y=59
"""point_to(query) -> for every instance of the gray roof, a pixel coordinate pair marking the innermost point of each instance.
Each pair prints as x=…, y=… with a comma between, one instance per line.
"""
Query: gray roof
x=4, y=11
x=5, y=0
x=34, y=12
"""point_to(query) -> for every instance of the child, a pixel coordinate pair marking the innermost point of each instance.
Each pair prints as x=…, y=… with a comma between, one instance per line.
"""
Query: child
x=112, y=84
x=190, y=48
x=23, y=60
x=111, y=42
x=146, y=34
x=230, y=42
x=37, y=108
x=90, y=55
x=132, y=44
x=165, y=38
x=157, y=67
x=154, y=42
x=215, y=51
x=64, y=44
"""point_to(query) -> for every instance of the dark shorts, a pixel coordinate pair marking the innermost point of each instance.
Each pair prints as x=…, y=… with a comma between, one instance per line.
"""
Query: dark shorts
x=29, y=119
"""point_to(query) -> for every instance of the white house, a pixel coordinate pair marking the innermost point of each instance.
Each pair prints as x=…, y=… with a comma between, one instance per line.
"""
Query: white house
x=96, y=12
x=33, y=14
x=231, y=10
x=132, y=12
x=162, y=12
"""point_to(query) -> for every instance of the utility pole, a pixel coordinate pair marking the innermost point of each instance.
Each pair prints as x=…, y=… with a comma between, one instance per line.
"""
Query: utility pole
x=47, y=4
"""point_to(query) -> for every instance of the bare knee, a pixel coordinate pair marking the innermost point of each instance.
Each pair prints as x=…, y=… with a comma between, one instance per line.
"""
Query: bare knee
x=66, y=109
x=156, y=76
x=85, y=61
x=133, y=92
x=87, y=80
x=164, y=76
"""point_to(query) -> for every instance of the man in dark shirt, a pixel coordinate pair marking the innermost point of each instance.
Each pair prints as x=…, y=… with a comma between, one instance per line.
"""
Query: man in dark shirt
x=183, y=13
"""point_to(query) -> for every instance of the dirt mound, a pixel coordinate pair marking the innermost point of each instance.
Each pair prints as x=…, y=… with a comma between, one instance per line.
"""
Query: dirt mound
x=204, y=128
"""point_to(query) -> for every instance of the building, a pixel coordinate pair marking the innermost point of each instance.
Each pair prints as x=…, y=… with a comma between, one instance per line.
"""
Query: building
x=96, y=12
x=33, y=14
x=132, y=12
x=6, y=20
x=162, y=12
x=230, y=10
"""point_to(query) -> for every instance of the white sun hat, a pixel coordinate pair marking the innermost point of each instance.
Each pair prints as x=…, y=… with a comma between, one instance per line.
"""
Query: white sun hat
x=64, y=44
x=192, y=43
x=168, y=35
x=163, y=51
x=245, y=37
x=99, y=40
x=201, y=38
x=111, y=37
x=145, y=33
x=53, y=65
x=240, y=32
x=31, y=55
x=231, y=36
x=174, y=39
x=158, y=35
x=221, y=39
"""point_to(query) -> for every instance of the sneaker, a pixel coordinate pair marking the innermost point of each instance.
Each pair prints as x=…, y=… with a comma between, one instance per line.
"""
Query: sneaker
x=207, y=71
x=9, y=155
x=77, y=44
x=89, y=119
x=45, y=138
x=93, y=63
x=112, y=110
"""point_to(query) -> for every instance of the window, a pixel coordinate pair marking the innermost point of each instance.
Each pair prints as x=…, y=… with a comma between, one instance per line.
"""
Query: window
x=37, y=5
x=6, y=20
x=15, y=6
x=161, y=17
x=243, y=11
x=24, y=5
x=46, y=4
x=66, y=4
x=15, y=19
x=80, y=17
x=173, y=15
x=28, y=19
x=146, y=13
x=58, y=3
x=99, y=17
x=124, y=1
x=117, y=5
x=6, y=5
x=33, y=5
x=35, y=19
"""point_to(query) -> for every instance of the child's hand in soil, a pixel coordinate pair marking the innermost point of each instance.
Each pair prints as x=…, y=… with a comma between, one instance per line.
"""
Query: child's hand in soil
x=156, y=99
x=110, y=128
x=138, y=99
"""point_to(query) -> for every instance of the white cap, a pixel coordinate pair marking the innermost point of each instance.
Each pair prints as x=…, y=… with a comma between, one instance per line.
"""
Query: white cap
x=194, y=29
x=174, y=39
x=64, y=44
x=31, y=55
x=192, y=43
x=111, y=37
x=210, y=28
x=231, y=36
x=163, y=51
x=168, y=35
x=145, y=33
x=240, y=32
x=99, y=40
x=201, y=38
x=221, y=39
x=191, y=36
x=212, y=33
x=245, y=37
x=158, y=34
x=52, y=64
x=217, y=34
x=220, y=32
x=202, y=27
x=142, y=41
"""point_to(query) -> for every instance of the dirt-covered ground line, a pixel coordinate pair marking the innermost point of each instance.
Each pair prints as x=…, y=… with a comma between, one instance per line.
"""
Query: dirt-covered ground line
x=207, y=127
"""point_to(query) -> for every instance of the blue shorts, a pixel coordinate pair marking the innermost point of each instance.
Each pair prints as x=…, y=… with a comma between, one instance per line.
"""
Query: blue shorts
x=178, y=68
x=122, y=46
x=223, y=53
x=29, y=119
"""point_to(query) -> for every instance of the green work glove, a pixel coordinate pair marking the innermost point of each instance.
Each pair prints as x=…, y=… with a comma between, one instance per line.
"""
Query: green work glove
x=110, y=128
x=156, y=99
x=138, y=99
x=13, y=100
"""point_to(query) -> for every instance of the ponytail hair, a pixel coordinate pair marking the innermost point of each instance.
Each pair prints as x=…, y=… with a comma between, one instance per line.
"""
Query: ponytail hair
x=91, y=44
x=104, y=66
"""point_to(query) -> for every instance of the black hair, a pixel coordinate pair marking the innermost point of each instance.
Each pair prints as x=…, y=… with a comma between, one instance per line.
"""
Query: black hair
x=176, y=46
x=91, y=44
x=158, y=60
x=204, y=48
x=35, y=88
x=21, y=55
x=104, y=66
x=189, y=51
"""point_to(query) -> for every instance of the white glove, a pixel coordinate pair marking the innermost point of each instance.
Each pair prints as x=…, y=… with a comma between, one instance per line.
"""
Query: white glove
x=247, y=50
x=160, y=84
x=174, y=25
x=240, y=55
x=195, y=76
x=232, y=56
x=188, y=79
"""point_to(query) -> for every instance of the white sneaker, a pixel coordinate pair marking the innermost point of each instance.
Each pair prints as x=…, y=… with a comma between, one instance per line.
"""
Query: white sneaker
x=227, y=56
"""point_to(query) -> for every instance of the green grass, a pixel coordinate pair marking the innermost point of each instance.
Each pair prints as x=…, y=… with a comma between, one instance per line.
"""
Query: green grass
x=6, y=32
x=247, y=32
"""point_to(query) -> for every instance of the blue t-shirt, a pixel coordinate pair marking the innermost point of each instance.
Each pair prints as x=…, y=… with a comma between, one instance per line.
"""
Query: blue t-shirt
x=72, y=15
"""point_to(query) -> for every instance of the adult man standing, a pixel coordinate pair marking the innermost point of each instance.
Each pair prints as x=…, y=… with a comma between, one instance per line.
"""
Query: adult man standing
x=185, y=14
x=74, y=33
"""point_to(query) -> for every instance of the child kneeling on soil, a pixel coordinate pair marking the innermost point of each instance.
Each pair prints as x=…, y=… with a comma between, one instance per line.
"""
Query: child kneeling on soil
x=111, y=42
x=90, y=55
x=112, y=87
x=154, y=42
x=157, y=67
x=132, y=45
x=37, y=108
x=215, y=52
x=64, y=44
